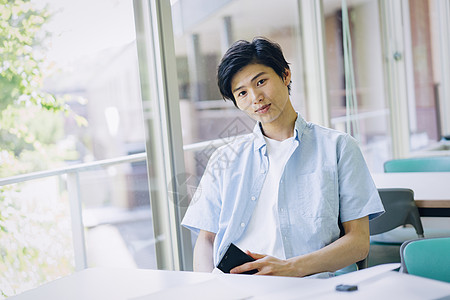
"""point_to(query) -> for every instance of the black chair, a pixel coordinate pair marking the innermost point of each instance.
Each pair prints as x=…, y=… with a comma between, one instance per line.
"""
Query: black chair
x=400, y=209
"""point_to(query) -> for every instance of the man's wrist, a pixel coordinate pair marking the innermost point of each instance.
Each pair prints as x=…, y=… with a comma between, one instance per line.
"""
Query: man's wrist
x=299, y=266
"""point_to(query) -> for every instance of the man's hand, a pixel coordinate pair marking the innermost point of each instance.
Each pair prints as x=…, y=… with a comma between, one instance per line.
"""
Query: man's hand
x=267, y=265
x=350, y=248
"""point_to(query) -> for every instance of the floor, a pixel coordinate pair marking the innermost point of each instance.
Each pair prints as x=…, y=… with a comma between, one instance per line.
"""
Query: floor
x=383, y=254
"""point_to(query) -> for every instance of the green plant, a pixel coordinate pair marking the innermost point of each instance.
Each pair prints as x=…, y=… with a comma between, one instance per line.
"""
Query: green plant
x=35, y=244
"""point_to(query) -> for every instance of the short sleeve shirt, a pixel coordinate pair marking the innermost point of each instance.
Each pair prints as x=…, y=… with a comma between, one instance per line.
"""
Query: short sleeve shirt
x=325, y=180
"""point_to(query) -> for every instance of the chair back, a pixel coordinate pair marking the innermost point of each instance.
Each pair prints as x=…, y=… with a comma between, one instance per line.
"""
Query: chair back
x=418, y=164
x=400, y=209
x=427, y=258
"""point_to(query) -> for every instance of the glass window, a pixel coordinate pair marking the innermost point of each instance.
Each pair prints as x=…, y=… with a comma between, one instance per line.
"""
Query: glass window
x=84, y=113
x=425, y=74
x=417, y=49
x=373, y=113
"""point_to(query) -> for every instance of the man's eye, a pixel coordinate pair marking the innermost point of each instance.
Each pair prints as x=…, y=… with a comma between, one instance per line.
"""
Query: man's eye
x=260, y=82
x=241, y=94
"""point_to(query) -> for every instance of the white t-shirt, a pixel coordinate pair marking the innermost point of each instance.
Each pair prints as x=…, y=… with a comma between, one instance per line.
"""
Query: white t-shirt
x=262, y=234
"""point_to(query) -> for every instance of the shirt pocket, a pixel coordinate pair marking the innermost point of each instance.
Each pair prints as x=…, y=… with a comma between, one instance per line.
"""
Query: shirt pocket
x=317, y=194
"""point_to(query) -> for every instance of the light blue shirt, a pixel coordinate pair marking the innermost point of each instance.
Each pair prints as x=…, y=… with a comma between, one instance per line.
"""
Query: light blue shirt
x=324, y=178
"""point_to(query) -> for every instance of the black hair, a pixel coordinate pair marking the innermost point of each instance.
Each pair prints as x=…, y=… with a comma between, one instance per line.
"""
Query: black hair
x=243, y=53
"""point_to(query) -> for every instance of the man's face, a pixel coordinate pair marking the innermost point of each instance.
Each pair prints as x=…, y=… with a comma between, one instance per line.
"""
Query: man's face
x=260, y=92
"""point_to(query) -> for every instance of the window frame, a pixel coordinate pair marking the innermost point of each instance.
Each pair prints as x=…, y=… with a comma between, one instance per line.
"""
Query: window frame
x=157, y=68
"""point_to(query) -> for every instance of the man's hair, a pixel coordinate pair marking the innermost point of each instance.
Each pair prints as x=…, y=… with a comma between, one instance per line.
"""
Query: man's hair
x=243, y=53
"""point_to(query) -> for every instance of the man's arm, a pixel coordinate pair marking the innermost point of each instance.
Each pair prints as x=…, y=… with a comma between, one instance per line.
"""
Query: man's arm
x=203, y=252
x=350, y=248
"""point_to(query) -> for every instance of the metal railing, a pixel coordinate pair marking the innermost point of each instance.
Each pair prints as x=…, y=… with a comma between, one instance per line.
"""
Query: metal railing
x=73, y=189
x=360, y=116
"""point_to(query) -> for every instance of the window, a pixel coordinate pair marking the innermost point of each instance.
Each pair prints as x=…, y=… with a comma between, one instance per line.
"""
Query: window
x=372, y=107
x=90, y=204
x=425, y=71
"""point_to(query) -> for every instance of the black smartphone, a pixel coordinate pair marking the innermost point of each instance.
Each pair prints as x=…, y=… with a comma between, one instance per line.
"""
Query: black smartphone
x=234, y=257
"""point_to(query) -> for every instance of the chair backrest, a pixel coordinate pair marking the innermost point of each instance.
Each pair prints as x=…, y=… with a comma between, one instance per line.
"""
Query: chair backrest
x=427, y=258
x=418, y=164
x=400, y=209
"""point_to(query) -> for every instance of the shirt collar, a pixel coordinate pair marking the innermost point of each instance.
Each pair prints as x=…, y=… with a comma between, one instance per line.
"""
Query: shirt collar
x=260, y=142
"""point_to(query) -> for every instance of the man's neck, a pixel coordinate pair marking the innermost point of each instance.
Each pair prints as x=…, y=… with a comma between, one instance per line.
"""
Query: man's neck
x=283, y=127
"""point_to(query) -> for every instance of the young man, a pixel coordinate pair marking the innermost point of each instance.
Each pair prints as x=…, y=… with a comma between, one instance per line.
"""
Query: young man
x=280, y=192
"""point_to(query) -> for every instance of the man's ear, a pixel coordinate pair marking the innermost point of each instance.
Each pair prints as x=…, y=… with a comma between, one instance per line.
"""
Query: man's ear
x=287, y=76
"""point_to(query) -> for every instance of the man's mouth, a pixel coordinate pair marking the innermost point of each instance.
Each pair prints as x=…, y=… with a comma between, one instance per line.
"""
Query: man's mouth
x=263, y=109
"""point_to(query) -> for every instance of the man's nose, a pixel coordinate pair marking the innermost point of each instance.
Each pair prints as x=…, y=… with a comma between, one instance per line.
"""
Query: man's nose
x=256, y=96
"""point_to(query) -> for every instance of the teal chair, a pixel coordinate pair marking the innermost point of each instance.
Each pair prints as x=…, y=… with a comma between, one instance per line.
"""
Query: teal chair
x=418, y=164
x=428, y=258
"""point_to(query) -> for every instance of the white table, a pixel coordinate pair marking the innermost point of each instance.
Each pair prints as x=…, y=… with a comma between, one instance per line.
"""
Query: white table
x=373, y=283
x=431, y=189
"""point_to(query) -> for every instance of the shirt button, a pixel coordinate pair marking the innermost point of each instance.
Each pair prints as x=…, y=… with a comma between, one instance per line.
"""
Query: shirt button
x=242, y=224
x=253, y=198
x=281, y=181
x=263, y=171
